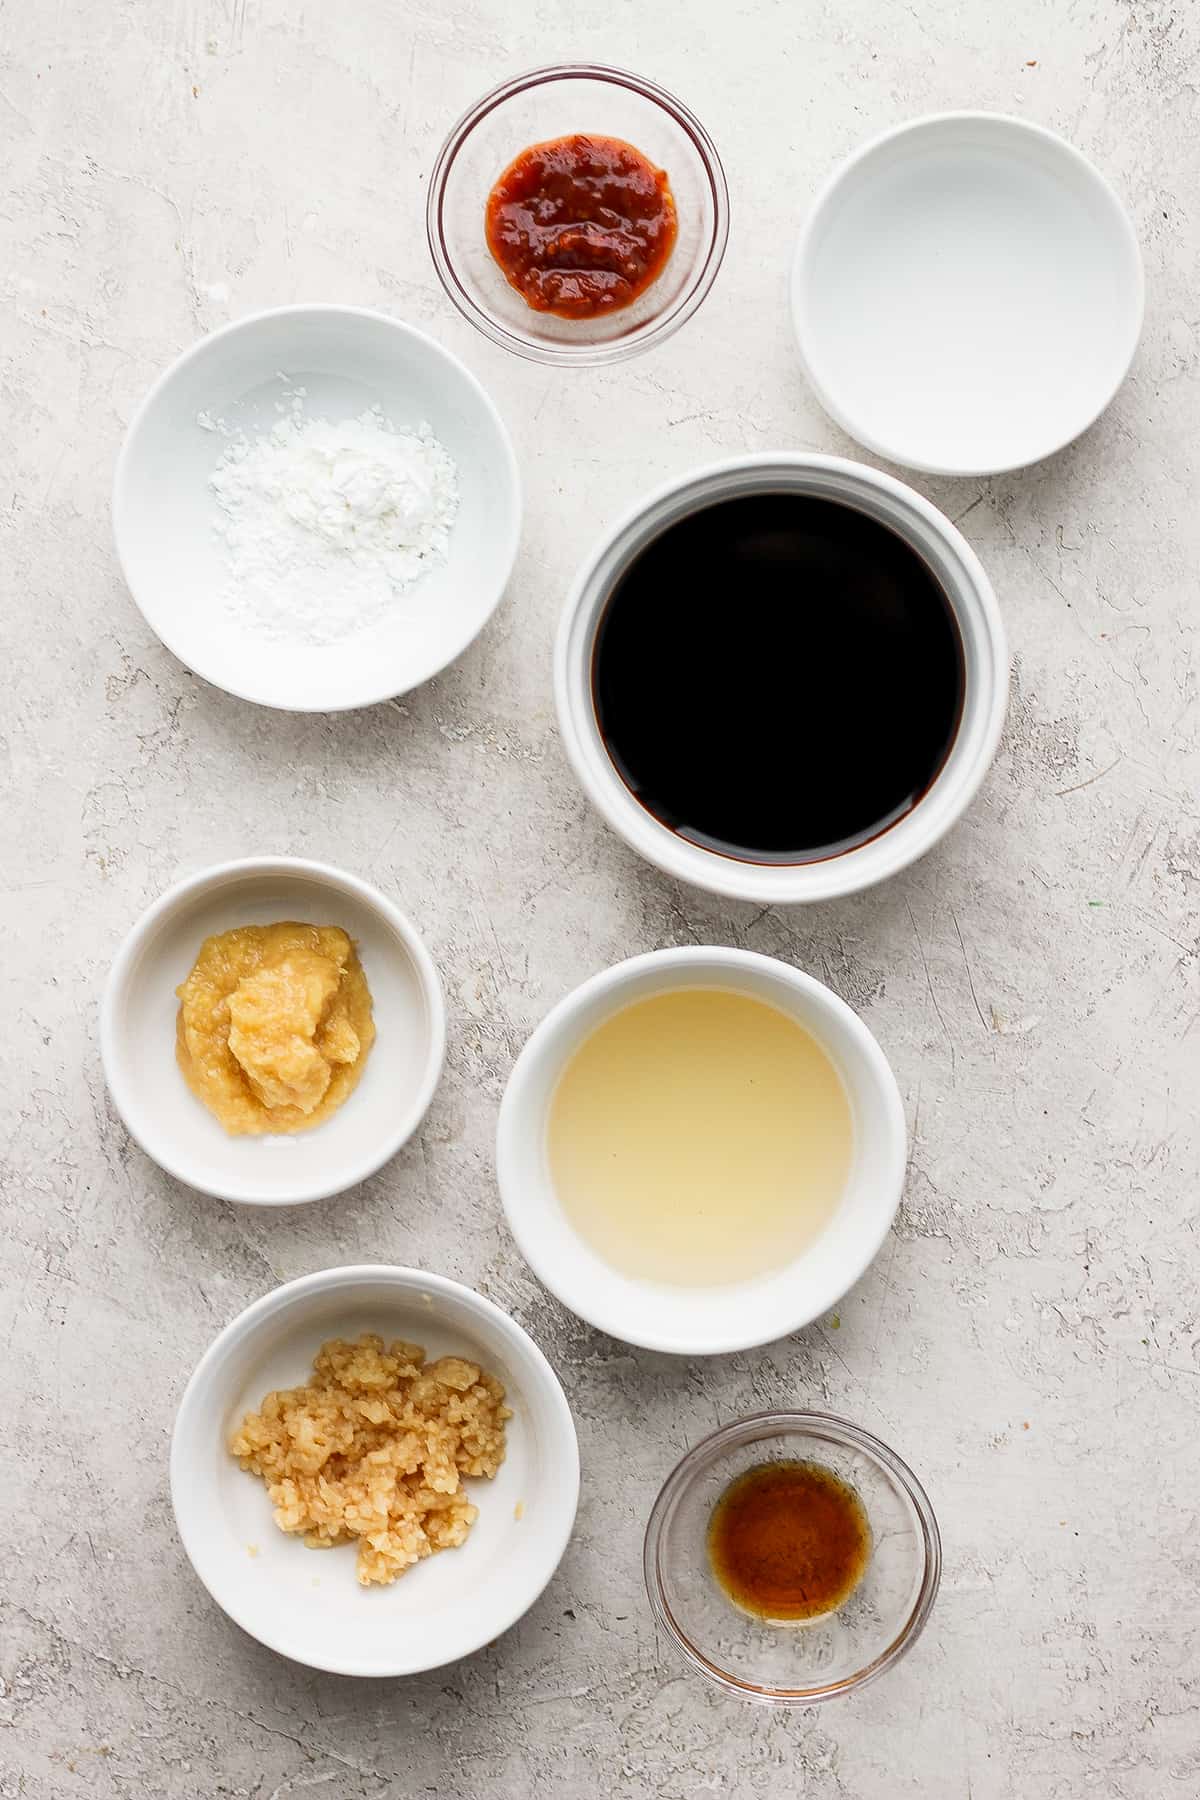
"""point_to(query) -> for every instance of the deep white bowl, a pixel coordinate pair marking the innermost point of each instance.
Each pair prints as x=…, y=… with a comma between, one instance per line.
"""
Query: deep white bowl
x=967, y=294
x=985, y=696
x=140, y=1008
x=348, y=359
x=710, y=1320
x=309, y=1606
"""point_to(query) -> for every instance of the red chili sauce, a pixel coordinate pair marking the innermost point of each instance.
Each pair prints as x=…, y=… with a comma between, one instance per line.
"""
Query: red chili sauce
x=581, y=225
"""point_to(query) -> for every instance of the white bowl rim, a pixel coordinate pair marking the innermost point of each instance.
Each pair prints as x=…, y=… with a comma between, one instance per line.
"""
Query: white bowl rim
x=778, y=884
x=967, y=115
x=513, y=1122
x=403, y=1276
x=217, y=874
x=506, y=553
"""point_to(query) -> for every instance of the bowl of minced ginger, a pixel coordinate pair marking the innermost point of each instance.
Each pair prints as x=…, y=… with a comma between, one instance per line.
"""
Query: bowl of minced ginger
x=275, y=1025
x=272, y=1031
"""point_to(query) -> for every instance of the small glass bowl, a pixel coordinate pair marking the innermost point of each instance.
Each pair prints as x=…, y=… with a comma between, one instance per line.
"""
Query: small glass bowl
x=557, y=101
x=793, y=1663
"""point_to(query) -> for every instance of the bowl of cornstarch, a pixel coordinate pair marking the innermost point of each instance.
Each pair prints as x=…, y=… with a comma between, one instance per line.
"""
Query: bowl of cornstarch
x=317, y=508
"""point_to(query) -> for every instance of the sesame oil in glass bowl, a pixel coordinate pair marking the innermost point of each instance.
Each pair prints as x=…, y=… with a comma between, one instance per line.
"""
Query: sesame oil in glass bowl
x=793, y=1662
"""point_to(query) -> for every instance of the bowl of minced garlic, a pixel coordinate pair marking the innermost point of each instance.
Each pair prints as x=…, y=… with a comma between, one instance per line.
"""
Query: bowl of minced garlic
x=275, y=1025
x=272, y=1031
x=398, y=1420
x=373, y=1449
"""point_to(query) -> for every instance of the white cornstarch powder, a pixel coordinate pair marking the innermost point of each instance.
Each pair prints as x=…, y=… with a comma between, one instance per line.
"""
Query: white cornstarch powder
x=327, y=524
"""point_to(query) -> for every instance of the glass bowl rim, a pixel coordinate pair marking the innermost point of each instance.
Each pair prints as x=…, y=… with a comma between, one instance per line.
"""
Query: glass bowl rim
x=581, y=354
x=834, y=1429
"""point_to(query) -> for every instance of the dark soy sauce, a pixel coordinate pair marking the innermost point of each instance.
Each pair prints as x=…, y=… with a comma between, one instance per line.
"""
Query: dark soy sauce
x=778, y=677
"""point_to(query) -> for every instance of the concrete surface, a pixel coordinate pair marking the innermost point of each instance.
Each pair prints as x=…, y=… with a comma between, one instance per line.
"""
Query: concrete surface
x=1028, y=1337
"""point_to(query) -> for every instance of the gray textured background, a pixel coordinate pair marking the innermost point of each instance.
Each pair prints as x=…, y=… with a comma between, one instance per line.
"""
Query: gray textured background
x=1028, y=1336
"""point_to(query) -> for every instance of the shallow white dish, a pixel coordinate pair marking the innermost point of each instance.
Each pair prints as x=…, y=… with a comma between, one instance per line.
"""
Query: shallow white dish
x=308, y=1605
x=139, y=1011
x=348, y=359
x=701, y=1321
x=967, y=294
x=985, y=669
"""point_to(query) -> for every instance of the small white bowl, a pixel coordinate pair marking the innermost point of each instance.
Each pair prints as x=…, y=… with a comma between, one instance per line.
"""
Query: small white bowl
x=967, y=294
x=347, y=359
x=140, y=1008
x=711, y=1320
x=985, y=693
x=309, y=1606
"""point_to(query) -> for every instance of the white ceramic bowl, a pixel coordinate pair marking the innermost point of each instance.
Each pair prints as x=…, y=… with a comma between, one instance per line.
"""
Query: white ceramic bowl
x=308, y=1605
x=985, y=653
x=347, y=359
x=139, y=1011
x=711, y=1320
x=967, y=294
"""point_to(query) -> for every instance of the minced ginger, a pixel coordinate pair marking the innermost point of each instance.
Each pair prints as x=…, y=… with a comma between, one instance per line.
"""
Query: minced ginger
x=275, y=1024
x=373, y=1450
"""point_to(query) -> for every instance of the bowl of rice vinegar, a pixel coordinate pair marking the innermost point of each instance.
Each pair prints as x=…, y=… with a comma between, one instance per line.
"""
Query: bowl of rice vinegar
x=700, y=1149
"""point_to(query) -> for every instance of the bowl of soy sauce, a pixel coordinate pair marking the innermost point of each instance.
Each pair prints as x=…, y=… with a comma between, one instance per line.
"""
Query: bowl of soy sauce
x=782, y=677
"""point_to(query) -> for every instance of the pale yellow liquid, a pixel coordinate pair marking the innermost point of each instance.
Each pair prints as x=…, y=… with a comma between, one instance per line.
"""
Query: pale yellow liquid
x=699, y=1137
